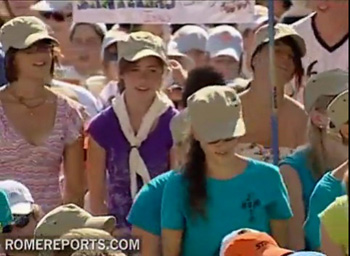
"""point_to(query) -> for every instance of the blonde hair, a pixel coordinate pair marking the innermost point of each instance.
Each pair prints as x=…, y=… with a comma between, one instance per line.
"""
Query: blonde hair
x=317, y=155
x=182, y=148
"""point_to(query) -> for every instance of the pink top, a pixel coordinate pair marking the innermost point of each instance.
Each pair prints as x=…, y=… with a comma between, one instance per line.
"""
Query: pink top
x=38, y=167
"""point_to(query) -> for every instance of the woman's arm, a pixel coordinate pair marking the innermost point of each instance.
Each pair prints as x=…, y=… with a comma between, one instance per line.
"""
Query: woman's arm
x=73, y=163
x=171, y=242
x=96, y=168
x=296, y=239
x=150, y=243
x=279, y=231
x=328, y=247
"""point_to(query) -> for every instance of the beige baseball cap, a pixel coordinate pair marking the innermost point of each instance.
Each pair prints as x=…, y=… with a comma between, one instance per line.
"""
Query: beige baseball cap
x=281, y=31
x=66, y=217
x=21, y=32
x=328, y=83
x=215, y=113
x=180, y=126
x=141, y=44
x=338, y=111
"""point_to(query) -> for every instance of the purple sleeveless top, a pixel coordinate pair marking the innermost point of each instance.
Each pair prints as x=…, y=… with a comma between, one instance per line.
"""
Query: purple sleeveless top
x=155, y=152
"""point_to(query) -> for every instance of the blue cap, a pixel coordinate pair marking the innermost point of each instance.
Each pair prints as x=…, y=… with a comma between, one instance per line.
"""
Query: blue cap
x=225, y=41
x=191, y=37
x=307, y=254
x=6, y=217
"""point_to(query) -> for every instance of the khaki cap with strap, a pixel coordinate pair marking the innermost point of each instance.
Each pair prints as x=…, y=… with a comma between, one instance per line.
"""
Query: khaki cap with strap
x=338, y=111
x=22, y=32
x=215, y=113
x=281, y=31
x=66, y=217
x=141, y=44
x=328, y=83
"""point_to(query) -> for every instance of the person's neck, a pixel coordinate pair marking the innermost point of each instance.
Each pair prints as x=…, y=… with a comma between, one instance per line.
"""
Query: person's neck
x=27, y=88
x=331, y=28
x=261, y=91
x=223, y=170
x=135, y=107
x=336, y=153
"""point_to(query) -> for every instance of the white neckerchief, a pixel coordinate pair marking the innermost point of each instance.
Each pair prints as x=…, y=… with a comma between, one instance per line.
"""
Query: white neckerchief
x=136, y=163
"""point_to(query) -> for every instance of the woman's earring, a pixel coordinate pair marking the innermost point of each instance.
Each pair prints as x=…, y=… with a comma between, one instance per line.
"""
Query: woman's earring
x=319, y=120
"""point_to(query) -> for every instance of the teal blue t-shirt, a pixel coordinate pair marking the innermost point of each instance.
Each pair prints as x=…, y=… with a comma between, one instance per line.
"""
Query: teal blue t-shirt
x=145, y=211
x=249, y=200
x=325, y=192
x=5, y=211
x=299, y=162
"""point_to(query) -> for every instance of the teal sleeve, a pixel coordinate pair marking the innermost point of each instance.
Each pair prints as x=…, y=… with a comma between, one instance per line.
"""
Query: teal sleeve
x=172, y=210
x=279, y=208
x=325, y=192
x=145, y=211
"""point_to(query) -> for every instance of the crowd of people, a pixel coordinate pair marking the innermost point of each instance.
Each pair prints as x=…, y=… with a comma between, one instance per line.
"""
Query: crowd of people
x=163, y=132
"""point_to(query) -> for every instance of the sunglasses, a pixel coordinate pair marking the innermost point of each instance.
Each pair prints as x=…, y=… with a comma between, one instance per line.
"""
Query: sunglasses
x=57, y=16
x=20, y=221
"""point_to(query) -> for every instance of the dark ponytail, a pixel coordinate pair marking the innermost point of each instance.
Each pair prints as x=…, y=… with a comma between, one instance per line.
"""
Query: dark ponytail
x=195, y=172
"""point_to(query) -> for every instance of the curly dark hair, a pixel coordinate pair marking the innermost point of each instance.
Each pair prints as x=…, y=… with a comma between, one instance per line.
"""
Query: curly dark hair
x=199, y=78
x=195, y=173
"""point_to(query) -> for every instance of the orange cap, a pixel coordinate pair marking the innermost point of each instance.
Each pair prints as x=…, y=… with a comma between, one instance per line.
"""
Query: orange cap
x=254, y=244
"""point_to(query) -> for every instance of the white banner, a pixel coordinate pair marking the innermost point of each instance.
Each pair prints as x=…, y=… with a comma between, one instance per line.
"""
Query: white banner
x=163, y=11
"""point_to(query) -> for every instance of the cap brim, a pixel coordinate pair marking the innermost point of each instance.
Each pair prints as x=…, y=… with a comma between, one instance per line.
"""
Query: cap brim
x=32, y=39
x=22, y=208
x=143, y=54
x=298, y=40
x=223, y=131
x=107, y=223
x=226, y=52
x=275, y=251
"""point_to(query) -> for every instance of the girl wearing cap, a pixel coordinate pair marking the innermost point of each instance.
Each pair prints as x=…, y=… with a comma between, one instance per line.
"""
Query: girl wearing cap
x=225, y=48
x=334, y=219
x=131, y=139
x=219, y=191
x=304, y=168
x=292, y=120
x=26, y=213
x=40, y=130
x=191, y=40
x=106, y=86
x=86, y=40
x=145, y=212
